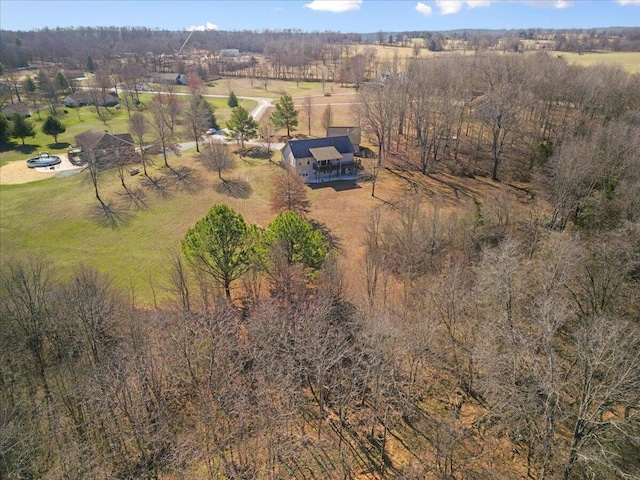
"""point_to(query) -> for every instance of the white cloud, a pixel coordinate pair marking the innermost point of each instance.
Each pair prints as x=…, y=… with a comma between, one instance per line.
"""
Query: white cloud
x=423, y=9
x=447, y=7
x=629, y=2
x=335, y=6
x=562, y=4
x=202, y=28
x=478, y=3
x=559, y=4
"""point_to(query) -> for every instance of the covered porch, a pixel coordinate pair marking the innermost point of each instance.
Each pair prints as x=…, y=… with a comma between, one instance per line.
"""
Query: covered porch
x=330, y=165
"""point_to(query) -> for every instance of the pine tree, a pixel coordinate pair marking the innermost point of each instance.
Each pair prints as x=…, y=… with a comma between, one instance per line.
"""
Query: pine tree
x=233, y=100
x=242, y=126
x=285, y=114
x=54, y=127
x=61, y=82
x=221, y=244
x=21, y=127
x=4, y=129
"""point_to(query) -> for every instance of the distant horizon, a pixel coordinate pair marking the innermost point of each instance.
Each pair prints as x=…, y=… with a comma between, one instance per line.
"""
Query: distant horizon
x=134, y=27
x=344, y=16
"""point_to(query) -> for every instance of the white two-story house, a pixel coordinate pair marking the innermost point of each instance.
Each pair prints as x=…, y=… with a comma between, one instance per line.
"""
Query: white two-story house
x=318, y=160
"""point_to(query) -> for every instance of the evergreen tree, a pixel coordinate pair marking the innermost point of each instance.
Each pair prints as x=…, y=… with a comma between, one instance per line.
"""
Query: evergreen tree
x=222, y=245
x=54, y=127
x=4, y=129
x=242, y=126
x=29, y=85
x=285, y=115
x=61, y=82
x=90, y=66
x=209, y=112
x=233, y=100
x=297, y=239
x=21, y=127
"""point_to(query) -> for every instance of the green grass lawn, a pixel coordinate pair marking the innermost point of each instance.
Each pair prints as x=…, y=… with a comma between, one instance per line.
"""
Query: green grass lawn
x=54, y=217
x=78, y=120
x=630, y=61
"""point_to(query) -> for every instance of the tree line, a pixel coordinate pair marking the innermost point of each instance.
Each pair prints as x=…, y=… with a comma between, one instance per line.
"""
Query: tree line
x=516, y=118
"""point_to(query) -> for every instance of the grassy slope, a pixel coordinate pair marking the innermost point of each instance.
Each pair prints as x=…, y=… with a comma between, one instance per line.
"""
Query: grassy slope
x=54, y=217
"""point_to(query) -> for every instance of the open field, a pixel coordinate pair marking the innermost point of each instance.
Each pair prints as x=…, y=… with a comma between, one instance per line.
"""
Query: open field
x=630, y=61
x=55, y=217
x=246, y=87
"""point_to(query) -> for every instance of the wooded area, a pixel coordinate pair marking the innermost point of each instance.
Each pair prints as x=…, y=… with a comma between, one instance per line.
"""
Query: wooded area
x=489, y=335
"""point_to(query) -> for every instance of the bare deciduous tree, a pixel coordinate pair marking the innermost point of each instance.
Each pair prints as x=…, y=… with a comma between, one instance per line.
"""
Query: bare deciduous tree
x=289, y=194
x=307, y=108
x=217, y=157
x=160, y=121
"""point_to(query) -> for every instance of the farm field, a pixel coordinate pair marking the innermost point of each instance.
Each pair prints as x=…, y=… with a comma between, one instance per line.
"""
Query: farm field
x=630, y=61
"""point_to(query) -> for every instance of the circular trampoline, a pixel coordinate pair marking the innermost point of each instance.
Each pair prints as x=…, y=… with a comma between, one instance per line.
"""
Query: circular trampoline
x=43, y=160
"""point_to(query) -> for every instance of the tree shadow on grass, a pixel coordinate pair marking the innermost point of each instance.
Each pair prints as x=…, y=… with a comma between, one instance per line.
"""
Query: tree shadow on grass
x=235, y=188
x=58, y=146
x=134, y=197
x=159, y=185
x=258, y=153
x=334, y=242
x=23, y=149
x=109, y=214
x=184, y=179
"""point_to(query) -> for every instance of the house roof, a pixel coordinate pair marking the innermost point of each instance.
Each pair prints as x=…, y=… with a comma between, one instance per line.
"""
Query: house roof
x=16, y=107
x=325, y=153
x=78, y=95
x=352, y=132
x=301, y=148
x=91, y=139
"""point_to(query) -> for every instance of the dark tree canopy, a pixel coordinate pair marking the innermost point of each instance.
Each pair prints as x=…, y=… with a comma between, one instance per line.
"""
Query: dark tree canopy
x=232, y=101
x=221, y=244
x=285, y=114
x=4, y=129
x=21, y=127
x=54, y=127
x=242, y=126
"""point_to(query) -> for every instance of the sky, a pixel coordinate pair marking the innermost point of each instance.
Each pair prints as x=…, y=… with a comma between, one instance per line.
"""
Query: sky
x=360, y=16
